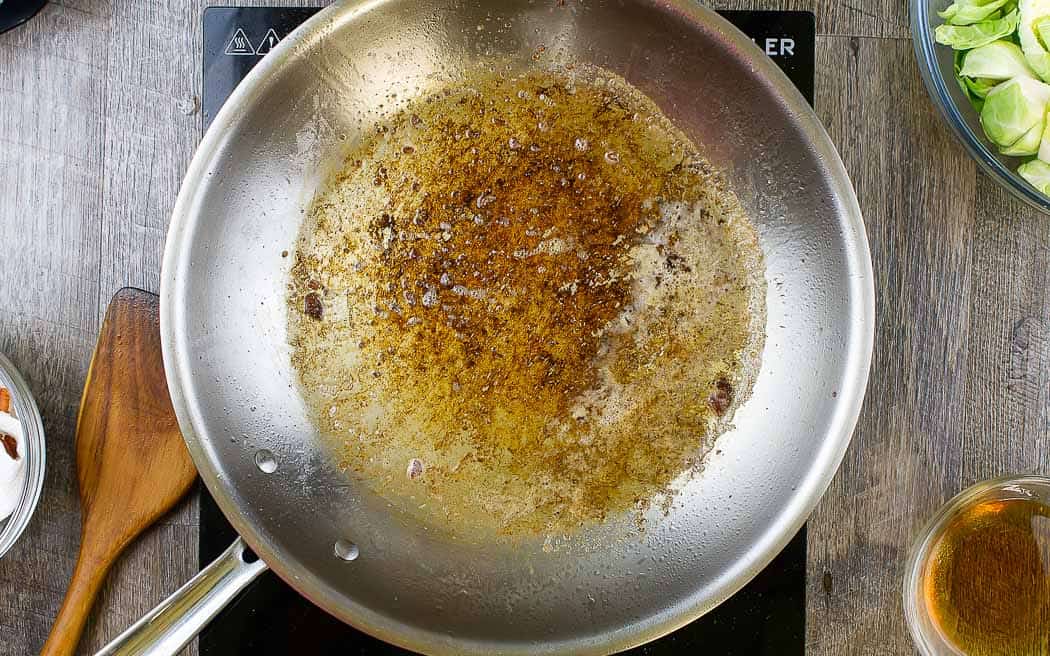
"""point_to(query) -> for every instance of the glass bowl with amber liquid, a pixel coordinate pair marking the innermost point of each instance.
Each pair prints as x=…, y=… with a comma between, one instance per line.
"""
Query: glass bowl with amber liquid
x=977, y=581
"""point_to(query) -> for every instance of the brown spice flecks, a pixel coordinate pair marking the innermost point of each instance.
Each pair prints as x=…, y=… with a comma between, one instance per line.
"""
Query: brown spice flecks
x=722, y=397
x=544, y=293
x=312, y=306
x=10, y=445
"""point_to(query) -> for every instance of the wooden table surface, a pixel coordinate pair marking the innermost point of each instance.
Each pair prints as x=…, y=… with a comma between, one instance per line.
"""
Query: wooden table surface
x=99, y=117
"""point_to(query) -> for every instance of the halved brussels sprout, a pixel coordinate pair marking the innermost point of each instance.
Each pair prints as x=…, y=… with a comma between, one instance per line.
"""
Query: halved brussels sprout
x=1013, y=108
x=974, y=89
x=980, y=87
x=966, y=12
x=1028, y=144
x=1037, y=173
x=999, y=60
x=1032, y=31
x=1044, y=145
x=965, y=37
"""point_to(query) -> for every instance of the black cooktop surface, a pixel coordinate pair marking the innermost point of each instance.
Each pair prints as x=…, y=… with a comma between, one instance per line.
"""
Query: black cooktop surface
x=766, y=618
x=15, y=12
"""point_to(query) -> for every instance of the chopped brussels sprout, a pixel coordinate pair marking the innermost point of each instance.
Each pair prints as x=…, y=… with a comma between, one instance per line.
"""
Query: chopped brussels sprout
x=967, y=12
x=1030, y=30
x=975, y=90
x=965, y=37
x=1028, y=144
x=1037, y=173
x=1044, y=146
x=1013, y=108
x=1041, y=27
x=980, y=87
x=976, y=100
x=999, y=60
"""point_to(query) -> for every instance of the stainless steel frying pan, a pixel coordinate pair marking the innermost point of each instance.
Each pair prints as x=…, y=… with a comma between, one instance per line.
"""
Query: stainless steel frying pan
x=223, y=322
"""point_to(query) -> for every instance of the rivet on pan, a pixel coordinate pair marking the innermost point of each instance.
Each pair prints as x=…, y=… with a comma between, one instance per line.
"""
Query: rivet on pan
x=346, y=550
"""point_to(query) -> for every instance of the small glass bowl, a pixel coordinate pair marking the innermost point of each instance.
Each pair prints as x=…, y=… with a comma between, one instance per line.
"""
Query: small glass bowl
x=25, y=410
x=937, y=66
x=924, y=632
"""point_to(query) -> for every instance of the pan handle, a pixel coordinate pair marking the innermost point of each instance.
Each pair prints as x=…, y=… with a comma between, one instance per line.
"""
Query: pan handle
x=166, y=629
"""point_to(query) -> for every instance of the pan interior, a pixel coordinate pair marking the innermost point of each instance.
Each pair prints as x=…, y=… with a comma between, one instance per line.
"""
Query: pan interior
x=528, y=284
x=285, y=131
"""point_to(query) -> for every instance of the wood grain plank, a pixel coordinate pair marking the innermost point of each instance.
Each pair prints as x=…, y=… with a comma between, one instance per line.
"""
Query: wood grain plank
x=33, y=574
x=52, y=88
x=1006, y=426
x=917, y=189
x=151, y=129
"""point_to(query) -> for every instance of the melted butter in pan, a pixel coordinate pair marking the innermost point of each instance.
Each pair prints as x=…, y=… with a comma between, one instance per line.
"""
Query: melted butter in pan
x=526, y=303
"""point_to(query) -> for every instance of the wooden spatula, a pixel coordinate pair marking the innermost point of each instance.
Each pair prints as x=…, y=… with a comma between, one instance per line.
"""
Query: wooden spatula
x=131, y=461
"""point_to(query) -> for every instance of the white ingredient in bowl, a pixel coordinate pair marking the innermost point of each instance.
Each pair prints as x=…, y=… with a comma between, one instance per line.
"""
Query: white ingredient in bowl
x=12, y=469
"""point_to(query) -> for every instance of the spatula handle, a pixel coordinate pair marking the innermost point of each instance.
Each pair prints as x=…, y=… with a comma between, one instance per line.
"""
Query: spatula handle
x=166, y=629
x=88, y=576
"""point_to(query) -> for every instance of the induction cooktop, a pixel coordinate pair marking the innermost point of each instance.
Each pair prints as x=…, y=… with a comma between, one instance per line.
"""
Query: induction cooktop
x=767, y=617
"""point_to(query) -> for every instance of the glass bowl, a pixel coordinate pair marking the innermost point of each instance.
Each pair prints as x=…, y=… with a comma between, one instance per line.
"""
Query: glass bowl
x=25, y=410
x=928, y=638
x=936, y=64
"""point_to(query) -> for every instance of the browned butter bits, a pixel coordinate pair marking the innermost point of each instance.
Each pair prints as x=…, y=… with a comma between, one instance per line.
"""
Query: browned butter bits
x=525, y=291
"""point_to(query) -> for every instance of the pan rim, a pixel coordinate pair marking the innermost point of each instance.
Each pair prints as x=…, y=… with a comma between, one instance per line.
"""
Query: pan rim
x=810, y=489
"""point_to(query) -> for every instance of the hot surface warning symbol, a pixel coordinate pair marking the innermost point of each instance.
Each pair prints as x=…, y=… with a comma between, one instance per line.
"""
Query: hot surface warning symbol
x=268, y=42
x=239, y=44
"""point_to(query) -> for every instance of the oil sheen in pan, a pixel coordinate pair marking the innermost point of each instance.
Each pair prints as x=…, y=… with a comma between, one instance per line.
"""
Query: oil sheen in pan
x=525, y=303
